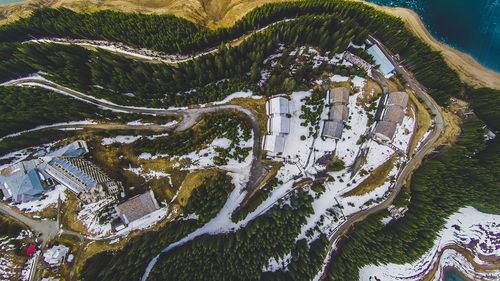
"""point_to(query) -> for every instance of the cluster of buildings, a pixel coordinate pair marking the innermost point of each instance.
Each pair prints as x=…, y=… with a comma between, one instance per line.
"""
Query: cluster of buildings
x=392, y=115
x=28, y=180
x=339, y=113
x=278, y=125
x=57, y=256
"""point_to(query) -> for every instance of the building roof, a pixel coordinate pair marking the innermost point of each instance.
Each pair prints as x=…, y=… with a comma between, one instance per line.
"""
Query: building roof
x=386, y=66
x=76, y=173
x=398, y=98
x=21, y=182
x=339, y=95
x=274, y=143
x=394, y=113
x=137, y=207
x=333, y=129
x=73, y=149
x=339, y=113
x=278, y=105
x=279, y=124
x=385, y=129
x=55, y=255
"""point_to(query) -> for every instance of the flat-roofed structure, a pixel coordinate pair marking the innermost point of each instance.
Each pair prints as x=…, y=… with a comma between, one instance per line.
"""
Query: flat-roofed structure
x=278, y=105
x=22, y=182
x=137, y=207
x=386, y=67
x=397, y=99
x=73, y=149
x=333, y=129
x=274, y=143
x=385, y=130
x=279, y=125
x=339, y=113
x=339, y=95
x=394, y=114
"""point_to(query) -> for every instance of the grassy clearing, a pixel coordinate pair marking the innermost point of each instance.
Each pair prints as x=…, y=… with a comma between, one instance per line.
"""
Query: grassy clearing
x=377, y=178
x=423, y=122
x=192, y=181
x=257, y=105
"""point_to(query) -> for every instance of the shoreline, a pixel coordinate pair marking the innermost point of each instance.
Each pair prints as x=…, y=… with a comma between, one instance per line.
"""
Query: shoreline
x=469, y=70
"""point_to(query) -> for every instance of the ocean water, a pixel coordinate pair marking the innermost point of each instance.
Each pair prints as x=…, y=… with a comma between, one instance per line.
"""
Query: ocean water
x=452, y=275
x=472, y=26
x=5, y=2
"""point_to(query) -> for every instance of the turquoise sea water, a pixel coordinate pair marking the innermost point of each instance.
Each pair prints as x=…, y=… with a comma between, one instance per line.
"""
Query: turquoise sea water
x=5, y=2
x=452, y=275
x=472, y=26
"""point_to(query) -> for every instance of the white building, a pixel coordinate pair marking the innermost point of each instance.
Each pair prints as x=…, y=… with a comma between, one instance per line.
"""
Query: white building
x=274, y=143
x=56, y=255
x=386, y=67
x=278, y=125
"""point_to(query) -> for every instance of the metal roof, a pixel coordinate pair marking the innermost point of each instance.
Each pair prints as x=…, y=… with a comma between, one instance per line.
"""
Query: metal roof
x=279, y=124
x=137, y=207
x=21, y=181
x=73, y=149
x=394, y=113
x=398, y=98
x=339, y=113
x=278, y=105
x=385, y=130
x=339, y=95
x=333, y=129
x=386, y=66
x=273, y=143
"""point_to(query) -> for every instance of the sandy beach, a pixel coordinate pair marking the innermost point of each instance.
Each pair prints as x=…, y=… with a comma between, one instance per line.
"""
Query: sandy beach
x=470, y=71
x=226, y=12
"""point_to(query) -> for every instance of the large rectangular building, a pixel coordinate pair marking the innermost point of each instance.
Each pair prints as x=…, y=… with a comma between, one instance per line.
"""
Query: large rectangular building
x=386, y=67
x=137, y=207
x=22, y=182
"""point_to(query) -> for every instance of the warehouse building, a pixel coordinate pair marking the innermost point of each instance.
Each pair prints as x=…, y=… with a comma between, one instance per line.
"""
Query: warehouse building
x=338, y=114
x=22, y=181
x=386, y=67
x=137, y=207
x=392, y=115
x=278, y=124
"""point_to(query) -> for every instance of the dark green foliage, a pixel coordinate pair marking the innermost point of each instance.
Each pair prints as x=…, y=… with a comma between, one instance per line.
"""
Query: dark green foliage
x=255, y=201
x=9, y=227
x=171, y=34
x=486, y=104
x=175, y=34
x=312, y=111
x=462, y=176
x=318, y=187
x=337, y=165
x=216, y=125
x=207, y=199
x=26, y=108
x=28, y=139
x=305, y=263
x=130, y=262
x=402, y=199
x=237, y=255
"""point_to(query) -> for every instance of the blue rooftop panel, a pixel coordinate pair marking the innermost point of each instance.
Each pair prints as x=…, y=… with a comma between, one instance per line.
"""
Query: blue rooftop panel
x=386, y=66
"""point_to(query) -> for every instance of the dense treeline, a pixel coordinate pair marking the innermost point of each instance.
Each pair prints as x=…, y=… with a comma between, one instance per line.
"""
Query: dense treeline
x=115, y=77
x=207, y=199
x=26, y=108
x=232, y=126
x=255, y=201
x=175, y=34
x=130, y=262
x=464, y=175
x=9, y=227
x=171, y=34
x=306, y=261
x=486, y=104
x=238, y=255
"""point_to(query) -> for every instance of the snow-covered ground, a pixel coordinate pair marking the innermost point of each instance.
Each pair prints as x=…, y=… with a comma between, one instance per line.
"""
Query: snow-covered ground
x=467, y=228
x=83, y=122
x=119, y=139
x=51, y=198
